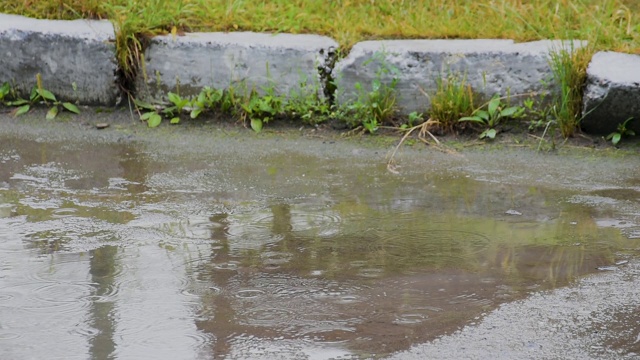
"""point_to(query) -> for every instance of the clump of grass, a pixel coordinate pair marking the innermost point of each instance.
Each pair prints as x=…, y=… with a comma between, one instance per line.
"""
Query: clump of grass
x=454, y=99
x=570, y=71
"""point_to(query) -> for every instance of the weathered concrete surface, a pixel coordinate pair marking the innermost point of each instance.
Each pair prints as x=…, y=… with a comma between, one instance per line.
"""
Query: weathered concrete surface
x=80, y=52
x=489, y=66
x=189, y=63
x=612, y=93
x=595, y=319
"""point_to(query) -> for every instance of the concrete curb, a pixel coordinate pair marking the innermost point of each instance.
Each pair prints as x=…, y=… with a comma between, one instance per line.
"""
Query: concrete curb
x=82, y=53
x=285, y=63
x=612, y=93
x=489, y=66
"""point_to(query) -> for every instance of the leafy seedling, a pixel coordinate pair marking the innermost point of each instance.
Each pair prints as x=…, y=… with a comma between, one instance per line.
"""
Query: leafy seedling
x=38, y=94
x=621, y=132
x=491, y=117
x=261, y=109
x=208, y=98
x=179, y=104
x=149, y=113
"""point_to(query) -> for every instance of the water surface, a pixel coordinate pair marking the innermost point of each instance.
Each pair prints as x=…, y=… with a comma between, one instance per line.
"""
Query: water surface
x=276, y=249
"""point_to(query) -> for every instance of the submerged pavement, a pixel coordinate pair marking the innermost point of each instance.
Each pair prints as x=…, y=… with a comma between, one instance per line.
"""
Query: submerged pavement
x=596, y=318
x=189, y=217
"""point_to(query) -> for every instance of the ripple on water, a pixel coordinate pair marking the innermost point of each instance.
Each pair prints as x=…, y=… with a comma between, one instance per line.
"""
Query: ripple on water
x=249, y=293
x=269, y=316
x=200, y=288
x=371, y=272
x=274, y=259
x=322, y=222
x=9, y=335
x=436, y=247
x=410, y=318
x=226, y=266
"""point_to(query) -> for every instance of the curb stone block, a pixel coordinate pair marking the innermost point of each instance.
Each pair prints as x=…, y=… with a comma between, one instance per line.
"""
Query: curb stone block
x=489, y=66
x=80, y=52
x=186, y=64
x=612, y=93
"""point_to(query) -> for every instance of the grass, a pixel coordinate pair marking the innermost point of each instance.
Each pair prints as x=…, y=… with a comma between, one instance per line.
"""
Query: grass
x=453, y=100
x=570, y=71
x=608, y=24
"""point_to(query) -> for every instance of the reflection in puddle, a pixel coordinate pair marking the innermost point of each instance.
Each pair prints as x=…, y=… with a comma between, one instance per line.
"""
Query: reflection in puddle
x=107, y=251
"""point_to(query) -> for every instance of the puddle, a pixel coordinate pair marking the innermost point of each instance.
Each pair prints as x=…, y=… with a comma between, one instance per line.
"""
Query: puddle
x=122, y=251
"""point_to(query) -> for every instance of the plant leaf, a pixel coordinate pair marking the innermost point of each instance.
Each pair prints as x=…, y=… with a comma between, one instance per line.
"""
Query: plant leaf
x=256, y=125
x=509, y=112
x=489, y=133
x=46, y=94
x=175, y=120
x=34, y=94
x=195, y=113
x=52, y=113
x=22, y=110
x=174, y=98
x=616, y=138
x=154, y=120
x=18, y=102
x=493, y=105
x=70, y=107
x=4, y=90
x=484, y=115
x=631, y=133
x=472, y=118
x=144, y=105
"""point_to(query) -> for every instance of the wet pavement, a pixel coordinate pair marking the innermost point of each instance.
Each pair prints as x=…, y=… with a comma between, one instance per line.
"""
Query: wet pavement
x=202, y=243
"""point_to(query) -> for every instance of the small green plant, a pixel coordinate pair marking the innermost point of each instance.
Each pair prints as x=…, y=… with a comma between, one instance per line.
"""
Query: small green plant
x=260, y=109
x=621, y=132
x=178, y=105
x=307, y=105
x=38, y=95
x=495, y=113
x=415, y=118
x=377, y=106
x=148, y=113
x=210, y=98
x=56, y=105
x=454, y=99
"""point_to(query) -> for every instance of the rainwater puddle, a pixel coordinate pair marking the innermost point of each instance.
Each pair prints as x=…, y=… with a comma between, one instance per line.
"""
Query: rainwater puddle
x=113, y=251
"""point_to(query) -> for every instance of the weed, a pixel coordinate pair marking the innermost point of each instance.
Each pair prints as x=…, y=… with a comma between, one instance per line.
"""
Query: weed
x=210, y=98
x=260, y=109
x=148, y=112
x=374, y=107
x=621, y=132
x=550, y=128
x=307, y=105
x=413, y=119
x=454, y=99
x=38, y=95
x=178, y=105
x=569, y=68
x=491, y=117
